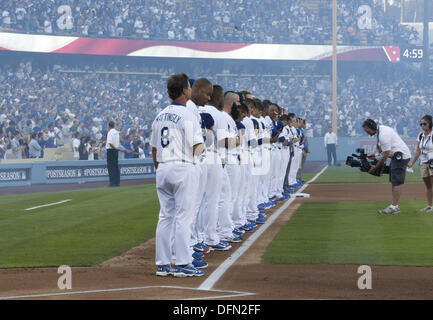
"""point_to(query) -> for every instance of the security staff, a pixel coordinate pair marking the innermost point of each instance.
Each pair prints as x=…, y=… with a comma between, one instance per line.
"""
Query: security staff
x=113, y=147
x=331, y=146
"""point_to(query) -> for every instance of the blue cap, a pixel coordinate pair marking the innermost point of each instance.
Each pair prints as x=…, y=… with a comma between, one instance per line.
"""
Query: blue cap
x=191, y=81
x=207, y=121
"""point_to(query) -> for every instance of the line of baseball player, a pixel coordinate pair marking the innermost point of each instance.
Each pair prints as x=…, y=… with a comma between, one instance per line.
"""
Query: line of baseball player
x=221, y=160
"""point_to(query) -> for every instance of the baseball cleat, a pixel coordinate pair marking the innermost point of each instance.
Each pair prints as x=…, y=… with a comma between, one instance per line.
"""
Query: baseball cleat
x=221, y=246
x=261, y=206
x=247, y=228
x=187, y=270
x=164, y=270
x=252, y=223
x=198, y=264
x=390, y=210
x=198, y=255
x=428, y=209
x=201, y=248
x=260, y=220
x=233, y=238
x=238, y=231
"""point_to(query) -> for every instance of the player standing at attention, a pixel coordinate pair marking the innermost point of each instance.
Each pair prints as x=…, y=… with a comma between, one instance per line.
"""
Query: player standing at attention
x=232, y=166
x=176, y=138
x=200, y=95
x=215, y=171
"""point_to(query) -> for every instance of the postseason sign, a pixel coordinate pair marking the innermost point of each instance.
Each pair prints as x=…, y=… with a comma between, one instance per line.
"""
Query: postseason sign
x=55, y=173
x=13, y=175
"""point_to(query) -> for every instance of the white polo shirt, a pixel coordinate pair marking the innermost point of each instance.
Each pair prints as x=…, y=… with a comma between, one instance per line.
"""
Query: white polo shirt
x=389, y=140
x=113, y=138
x=330, y=138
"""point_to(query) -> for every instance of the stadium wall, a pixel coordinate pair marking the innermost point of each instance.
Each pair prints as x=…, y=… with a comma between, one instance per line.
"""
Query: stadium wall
x=62, y=172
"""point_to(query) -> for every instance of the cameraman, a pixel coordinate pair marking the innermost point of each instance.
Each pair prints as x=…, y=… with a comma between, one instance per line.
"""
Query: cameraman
x=390, y=145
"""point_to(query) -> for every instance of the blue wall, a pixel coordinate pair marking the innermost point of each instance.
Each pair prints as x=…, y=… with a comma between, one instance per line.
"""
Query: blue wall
x=55, y=172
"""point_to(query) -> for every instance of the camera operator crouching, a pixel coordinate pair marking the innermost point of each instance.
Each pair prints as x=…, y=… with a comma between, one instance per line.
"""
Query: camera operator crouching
x=390, y=145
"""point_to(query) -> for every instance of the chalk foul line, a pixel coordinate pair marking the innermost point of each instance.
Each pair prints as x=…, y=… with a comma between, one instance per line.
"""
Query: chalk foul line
x=48, y=205
x=219, y=272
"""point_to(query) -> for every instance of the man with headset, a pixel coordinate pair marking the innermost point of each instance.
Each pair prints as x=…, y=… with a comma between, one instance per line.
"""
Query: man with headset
x=390, y=145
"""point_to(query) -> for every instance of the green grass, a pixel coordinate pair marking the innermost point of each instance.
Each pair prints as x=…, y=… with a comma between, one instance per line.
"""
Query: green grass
x=354, y=233
x=345, y=174
x=96, y=225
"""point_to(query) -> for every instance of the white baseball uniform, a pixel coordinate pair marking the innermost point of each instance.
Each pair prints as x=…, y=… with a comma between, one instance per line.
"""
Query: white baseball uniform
x=252, y=171
x=201, y=168
x=174, y=133
x=296, y=158
x=215, y=174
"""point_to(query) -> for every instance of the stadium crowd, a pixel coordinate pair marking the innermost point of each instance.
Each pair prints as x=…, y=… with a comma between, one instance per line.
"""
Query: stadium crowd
x=56, y=105
x=266, y=21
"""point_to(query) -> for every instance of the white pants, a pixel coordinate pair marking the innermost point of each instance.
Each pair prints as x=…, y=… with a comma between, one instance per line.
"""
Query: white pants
x=197, y=226
x=253, y=181
x=239, y=211
x=174, y=184
x=276, y=173
x=285, y=158
x=225, y=206
x=212, y=198
x=295, y=166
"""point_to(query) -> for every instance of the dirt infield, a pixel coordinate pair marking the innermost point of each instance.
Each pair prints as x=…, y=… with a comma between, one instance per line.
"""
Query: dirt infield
x=249, y=278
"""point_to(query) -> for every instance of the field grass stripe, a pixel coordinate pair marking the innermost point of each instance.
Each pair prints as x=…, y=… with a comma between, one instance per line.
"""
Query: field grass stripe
x=219, y=272
x=48, y=205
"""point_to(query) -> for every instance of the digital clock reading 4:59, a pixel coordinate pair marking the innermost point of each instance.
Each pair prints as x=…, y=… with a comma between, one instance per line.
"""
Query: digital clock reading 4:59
x=412, y=54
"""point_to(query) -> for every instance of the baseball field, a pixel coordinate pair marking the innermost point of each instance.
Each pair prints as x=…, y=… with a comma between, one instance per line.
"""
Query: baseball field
x=309, y=248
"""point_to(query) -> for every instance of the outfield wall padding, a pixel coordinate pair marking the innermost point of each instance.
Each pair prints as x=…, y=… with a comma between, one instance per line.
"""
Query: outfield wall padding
x=62, y=172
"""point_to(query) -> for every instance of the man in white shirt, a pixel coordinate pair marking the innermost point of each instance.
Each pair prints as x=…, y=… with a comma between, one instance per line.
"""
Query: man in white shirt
x=390, y=145
x=331, y=146
x=76, y=145
x=113, y=147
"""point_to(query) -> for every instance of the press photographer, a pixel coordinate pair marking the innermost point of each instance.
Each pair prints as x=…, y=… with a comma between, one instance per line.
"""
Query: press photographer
x=389, y=145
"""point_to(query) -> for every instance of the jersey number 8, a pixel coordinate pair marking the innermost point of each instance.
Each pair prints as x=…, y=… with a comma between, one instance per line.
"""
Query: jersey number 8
x=165, y=138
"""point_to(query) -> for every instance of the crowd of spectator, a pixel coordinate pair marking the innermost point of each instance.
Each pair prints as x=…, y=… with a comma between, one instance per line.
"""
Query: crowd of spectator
x=56, y=108
x=266, y=21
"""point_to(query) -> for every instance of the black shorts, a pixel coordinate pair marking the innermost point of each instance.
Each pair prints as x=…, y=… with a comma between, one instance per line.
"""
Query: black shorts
x=398, y=171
